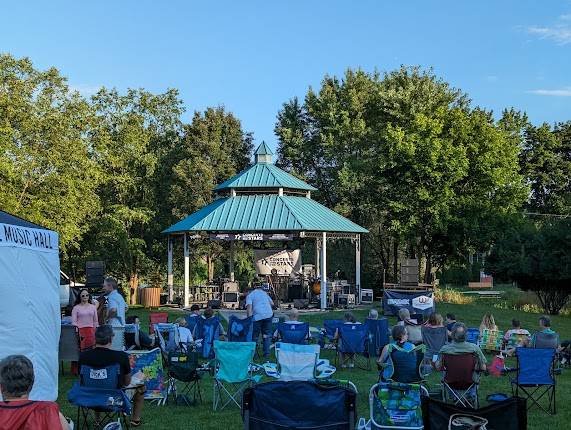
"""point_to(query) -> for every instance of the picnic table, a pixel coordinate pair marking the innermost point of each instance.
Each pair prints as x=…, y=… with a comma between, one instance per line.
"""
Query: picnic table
x=493, y=294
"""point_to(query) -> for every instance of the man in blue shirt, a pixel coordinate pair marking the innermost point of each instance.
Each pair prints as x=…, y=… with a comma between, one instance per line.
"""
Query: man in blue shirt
x=259, y=306
x=116, y=306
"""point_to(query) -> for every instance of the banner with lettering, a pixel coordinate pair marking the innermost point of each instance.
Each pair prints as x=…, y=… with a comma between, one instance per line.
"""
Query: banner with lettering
x=284, y=261
x=30, y=238
x=417, y=302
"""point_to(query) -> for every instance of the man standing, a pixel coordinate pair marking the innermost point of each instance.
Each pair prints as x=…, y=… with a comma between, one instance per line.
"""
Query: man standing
x=259, y=306
x=116, y=306
x=103, y=356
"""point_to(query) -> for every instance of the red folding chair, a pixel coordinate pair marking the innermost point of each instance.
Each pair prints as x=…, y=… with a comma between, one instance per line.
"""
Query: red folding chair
x=461, y=380
x=156, y=318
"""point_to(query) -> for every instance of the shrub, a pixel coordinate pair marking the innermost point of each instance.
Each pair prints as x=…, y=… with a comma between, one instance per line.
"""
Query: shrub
x=448, y=295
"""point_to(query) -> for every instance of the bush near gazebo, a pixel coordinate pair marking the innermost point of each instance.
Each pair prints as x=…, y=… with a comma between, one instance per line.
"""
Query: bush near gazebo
x=537, y=256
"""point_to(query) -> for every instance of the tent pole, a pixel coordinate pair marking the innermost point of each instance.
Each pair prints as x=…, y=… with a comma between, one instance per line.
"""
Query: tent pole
x=324, y=271
x=358, y=268
x=169, y=269
x=186, y=271
x=231, y=261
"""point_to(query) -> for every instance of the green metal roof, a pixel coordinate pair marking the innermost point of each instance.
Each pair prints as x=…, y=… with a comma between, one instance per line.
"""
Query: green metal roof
x=264, y=175
x=257, y=213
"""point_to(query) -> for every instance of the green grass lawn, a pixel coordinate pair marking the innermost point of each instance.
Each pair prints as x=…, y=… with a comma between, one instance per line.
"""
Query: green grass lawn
x=202, y=417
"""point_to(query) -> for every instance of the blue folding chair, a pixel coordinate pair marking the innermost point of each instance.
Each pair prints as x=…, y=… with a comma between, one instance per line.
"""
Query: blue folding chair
x=352, y=346
x=294, y=333
x=191, y=321
x=98, y=391
x=328, y=332
x=206, y=332
x=240, y=329
x=168, y=336
x=377, y=335
x=535, y=377
x=473, y=335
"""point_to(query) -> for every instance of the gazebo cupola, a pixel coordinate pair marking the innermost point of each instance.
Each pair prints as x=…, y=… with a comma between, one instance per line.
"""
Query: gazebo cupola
x=263, y=178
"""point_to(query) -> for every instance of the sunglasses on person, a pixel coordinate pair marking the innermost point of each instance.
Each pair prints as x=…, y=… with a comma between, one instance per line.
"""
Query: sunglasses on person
x=84, y=295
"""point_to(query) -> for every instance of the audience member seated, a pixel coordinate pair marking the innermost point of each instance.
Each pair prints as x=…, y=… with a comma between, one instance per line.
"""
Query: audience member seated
x=460, y=346
x=545, y=337
x=488, y=323
x=450, y=321
x=104, y=356
x=145, y=341
x=401, y=360
x=17, y=412
x=184, y=334
x=373, y=314
x=293, y=320
x=515, y=336
x=399, y=334
x=348, y=318
x=412, y=327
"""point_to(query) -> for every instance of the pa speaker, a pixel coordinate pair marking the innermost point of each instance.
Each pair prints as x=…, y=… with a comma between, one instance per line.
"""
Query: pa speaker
x=94, y=274
x=214, y=304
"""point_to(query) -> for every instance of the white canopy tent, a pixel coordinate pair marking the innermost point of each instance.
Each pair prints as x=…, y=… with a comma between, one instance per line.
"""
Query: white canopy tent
x=29, y=306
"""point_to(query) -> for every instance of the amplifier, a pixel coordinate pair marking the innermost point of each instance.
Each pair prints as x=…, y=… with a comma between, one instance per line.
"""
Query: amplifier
x=213, y=304
x=231, y=299
x=346, y=299
x=366, y=295
x=94, y=274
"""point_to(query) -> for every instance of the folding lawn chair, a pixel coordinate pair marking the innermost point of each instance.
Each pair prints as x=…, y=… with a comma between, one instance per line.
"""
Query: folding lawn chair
x=491, y=340
x=460, y=380
x=472, y=335
x=240, y=329
x=296, y=362
x=132, y=340
x=545, y=340
x=377, y=335
x=206, y=332
x=393, y=405
x=191, y=321
x=157, y=318
x=98, y=398
x=279, y=405
x=352, y=345
x=535, y=377
x=404, y=365
x=328, y=333
x=232, y=371
x=516, y=340
x=434, y=338
x=68, y=345
x=182, y=367
x=293, y=333
x=168, y=336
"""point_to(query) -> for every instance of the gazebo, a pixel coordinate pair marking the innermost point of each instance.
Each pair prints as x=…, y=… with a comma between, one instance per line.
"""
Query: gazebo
x=260, y=203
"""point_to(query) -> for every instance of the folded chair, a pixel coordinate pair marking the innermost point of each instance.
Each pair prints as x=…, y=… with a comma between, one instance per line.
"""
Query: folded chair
x=352, y=346
x=279, y=405
x=377, y=335
x=491, y=340
x=98, y=398
x=535, y=377
x=403, y=365
x=231, y=371
x=182, y=367
x=240, y=329
x=296, y=362
x=393, y=405
x=206, y=332
x=68, y=345
x=293, y=333
x=461, y=379
x=157, y=318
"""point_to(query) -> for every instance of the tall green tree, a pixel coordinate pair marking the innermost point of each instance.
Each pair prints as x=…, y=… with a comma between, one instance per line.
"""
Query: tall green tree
x=404, y=154
x=134, y=132
x=47, y=172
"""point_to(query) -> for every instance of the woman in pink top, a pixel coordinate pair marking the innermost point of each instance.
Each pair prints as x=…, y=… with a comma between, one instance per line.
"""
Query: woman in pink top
x=84, y=317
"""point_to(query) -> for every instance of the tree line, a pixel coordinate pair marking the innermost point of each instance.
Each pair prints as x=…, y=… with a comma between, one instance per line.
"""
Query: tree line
x=402, y=153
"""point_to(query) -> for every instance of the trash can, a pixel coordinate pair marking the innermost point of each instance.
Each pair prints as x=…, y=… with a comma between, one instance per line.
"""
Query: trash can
x=150, y=297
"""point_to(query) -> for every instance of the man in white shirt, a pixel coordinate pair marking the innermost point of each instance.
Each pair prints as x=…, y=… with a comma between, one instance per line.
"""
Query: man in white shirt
x=259, y=307
x=184, y=334
x=116, y=306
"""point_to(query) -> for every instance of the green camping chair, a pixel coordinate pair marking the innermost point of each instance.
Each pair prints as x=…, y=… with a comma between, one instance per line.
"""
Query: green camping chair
x=232, y=372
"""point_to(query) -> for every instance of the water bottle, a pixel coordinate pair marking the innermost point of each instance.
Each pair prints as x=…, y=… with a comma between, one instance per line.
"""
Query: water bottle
x=111, y=401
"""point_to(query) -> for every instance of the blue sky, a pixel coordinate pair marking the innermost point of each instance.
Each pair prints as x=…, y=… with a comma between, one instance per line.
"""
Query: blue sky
x=252, y=56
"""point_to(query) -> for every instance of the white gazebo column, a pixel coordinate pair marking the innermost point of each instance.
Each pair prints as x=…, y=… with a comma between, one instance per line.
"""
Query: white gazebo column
x=324, y=271
x=186, y=272
x=169, y=269
x=317, y=256
x=231, y=262
x=358, y=268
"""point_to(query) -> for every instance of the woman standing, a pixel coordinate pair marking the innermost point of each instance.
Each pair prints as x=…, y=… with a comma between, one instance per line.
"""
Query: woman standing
x=84, y=317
